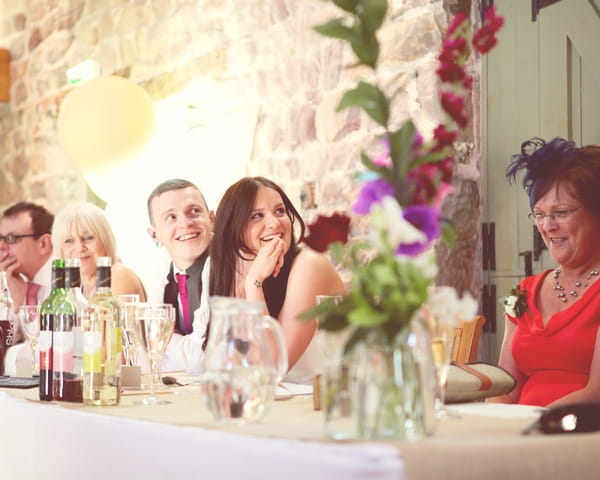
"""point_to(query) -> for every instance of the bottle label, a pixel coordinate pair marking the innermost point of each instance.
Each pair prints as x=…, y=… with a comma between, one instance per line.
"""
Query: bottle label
x=7, y=332
x=92, y=352
x=45, y=349
x=103, y=277
x=62, y=352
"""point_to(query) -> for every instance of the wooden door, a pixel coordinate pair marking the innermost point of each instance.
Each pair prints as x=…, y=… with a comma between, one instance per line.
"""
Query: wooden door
x=542, y=80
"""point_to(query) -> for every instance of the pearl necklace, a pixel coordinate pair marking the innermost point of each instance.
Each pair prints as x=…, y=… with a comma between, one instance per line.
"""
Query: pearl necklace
x=561, y=290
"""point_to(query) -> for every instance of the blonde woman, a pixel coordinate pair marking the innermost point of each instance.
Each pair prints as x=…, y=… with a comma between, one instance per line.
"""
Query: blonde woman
x=81, y=230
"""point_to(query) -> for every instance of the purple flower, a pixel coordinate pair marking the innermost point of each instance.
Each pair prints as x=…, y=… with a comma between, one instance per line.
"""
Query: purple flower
x=425, y=219
x=373, y=192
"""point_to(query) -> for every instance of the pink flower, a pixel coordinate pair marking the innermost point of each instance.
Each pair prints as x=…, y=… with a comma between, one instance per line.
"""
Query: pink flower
x=454, y=106
x=383, y=159
x=444, y=189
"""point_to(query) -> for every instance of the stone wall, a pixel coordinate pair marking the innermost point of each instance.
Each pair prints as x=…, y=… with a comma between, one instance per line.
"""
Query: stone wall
x=266, y=52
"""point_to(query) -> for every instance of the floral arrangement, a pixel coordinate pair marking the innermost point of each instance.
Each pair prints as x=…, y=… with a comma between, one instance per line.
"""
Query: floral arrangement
x=404, y=186
x=515, y=303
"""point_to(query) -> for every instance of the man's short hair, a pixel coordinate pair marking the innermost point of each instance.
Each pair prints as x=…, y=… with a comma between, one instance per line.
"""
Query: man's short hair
x=167, y=186
x=41, y=219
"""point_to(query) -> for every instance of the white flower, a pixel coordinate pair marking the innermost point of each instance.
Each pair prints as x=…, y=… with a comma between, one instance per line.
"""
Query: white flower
x=444, y=305
x=509, y=305
x=390, y=225
x=425, y=262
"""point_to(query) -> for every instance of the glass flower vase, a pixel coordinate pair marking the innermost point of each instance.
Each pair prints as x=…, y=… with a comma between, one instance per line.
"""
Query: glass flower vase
x=383, y=390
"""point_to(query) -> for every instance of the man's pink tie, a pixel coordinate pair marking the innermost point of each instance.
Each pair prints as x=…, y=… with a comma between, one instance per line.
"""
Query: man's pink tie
x=183, y=295
x=31, y=295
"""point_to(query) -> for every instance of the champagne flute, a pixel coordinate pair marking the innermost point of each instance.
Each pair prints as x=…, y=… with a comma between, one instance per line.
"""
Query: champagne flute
x=29, y=317
x=442, y=342
x=155, y=324
x=128, y=304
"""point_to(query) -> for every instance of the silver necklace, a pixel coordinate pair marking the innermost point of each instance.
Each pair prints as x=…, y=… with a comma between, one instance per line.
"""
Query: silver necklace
x=578, y=284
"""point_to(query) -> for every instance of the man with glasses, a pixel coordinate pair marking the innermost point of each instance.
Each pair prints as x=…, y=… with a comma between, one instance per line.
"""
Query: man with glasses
x=26, y=256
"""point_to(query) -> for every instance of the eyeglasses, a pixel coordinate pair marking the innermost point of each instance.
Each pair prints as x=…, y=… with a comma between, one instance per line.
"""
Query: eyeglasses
x=12, y=238
x=574, y=418
x=560, y=216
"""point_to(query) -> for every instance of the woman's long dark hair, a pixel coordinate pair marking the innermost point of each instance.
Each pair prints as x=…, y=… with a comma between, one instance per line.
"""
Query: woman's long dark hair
x=233, y=214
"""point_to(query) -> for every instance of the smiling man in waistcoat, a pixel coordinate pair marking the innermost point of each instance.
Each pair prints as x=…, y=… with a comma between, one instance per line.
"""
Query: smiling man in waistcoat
x=182, y=223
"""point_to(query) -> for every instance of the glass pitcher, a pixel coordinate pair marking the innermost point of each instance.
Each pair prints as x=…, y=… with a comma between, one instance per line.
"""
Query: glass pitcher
x=245, y=359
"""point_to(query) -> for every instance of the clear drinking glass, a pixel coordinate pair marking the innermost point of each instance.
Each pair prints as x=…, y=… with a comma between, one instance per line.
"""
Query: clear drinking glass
x=336, y=395
x=29, y=317
x=155, y=324
x=128, y=304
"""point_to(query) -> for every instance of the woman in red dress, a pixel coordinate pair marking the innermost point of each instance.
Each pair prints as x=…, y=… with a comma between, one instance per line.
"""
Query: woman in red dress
x=551, y=341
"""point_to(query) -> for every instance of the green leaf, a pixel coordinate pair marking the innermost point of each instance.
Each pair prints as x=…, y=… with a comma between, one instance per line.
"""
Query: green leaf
x=383, y=172
x=400, y=144
x=334, y=323
x=337, y=251
x=364, y=316
x=347, y=5
x=372, y=13
x=337, y=29
x=370, y=99
x=365, y=46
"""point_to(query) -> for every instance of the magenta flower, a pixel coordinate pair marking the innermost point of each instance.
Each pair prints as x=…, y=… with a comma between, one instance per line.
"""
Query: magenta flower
x=485, y=39
x=426, y=219
x=371, y=193
x=457, y=22
x=453, y=49
x=454, y=105
x=450, y=72
x=443, y=137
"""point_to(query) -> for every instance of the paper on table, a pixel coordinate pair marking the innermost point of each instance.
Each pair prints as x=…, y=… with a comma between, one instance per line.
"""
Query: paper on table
x=498, y=410
x=285, y=388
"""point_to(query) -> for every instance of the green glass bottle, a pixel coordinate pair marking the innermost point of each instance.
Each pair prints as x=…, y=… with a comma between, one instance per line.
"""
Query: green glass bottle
x=45, y=338
x=102, y=342
x=67, y=376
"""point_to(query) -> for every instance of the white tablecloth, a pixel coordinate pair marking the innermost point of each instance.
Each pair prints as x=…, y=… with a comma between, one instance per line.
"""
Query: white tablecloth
x=52, y=442
x=180, y=441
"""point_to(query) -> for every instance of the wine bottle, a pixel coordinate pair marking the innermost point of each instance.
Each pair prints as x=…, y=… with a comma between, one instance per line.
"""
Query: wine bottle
x=102, y=342
x=67, y=374
x=45, y=338
x=7, y=315
x=75, y=294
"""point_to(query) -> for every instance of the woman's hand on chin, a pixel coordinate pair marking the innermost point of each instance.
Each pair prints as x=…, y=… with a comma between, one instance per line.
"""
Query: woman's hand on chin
x=268, y=261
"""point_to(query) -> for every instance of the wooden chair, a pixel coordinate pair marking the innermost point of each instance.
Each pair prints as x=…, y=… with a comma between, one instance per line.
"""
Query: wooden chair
x=466, y=340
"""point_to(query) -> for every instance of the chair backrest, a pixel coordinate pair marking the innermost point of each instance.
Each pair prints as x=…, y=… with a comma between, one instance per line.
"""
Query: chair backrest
x=466, y=340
